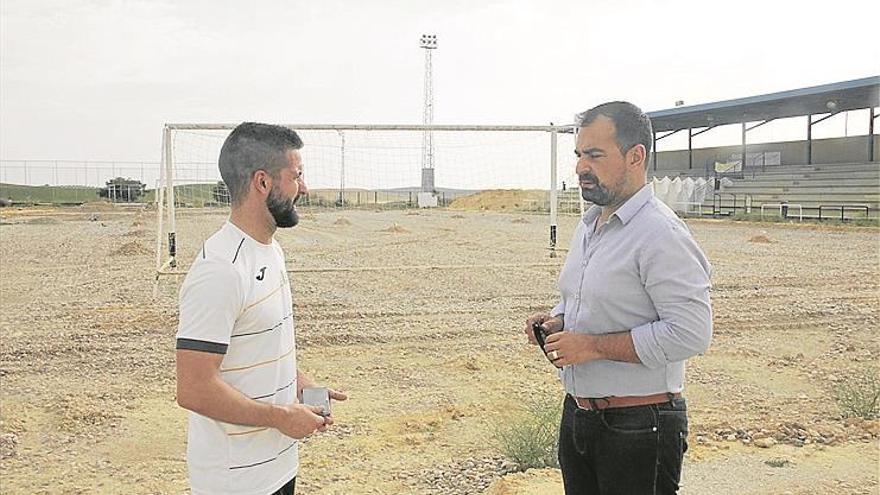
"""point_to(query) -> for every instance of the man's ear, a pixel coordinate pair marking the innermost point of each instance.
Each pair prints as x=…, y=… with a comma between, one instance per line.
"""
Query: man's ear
x=262, y=182
x=636, y=156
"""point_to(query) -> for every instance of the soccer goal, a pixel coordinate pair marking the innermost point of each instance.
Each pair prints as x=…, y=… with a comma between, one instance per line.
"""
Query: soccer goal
x=372, y=167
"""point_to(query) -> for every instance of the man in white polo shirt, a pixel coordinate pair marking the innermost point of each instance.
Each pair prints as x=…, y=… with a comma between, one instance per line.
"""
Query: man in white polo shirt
x=236, y=355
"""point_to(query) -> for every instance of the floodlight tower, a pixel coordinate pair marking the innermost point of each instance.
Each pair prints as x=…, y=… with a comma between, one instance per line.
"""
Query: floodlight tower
x=429, y=43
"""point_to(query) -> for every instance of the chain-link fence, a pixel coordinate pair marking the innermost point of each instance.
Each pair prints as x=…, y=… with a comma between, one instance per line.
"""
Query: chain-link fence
x=73, y=181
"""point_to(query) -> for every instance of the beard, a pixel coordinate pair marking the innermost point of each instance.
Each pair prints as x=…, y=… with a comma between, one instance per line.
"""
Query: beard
x=599, y=194
x=282, y=210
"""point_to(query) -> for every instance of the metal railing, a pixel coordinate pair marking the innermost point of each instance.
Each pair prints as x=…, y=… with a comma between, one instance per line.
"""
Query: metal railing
x=843, y=208
x=783, y=209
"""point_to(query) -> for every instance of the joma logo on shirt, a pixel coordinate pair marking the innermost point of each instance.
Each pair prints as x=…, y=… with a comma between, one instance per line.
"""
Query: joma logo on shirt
x=262, y=274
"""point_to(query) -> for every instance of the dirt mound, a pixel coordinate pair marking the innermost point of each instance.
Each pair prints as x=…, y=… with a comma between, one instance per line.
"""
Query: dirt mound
x=500, y=200
x=760, y=239
x=342, y=221
x=395, y=229
x=133, y=248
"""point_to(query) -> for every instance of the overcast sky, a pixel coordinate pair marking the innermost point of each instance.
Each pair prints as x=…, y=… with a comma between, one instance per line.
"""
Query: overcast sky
x=97, y=79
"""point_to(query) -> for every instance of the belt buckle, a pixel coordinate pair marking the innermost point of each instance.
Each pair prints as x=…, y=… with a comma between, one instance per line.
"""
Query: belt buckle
x=592, y=402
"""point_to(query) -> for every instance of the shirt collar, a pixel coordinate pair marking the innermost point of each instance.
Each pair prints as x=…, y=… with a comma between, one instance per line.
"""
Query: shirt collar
x=627, y=210
x=632, y=206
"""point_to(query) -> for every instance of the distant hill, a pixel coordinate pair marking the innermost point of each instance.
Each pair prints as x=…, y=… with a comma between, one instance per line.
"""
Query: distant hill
x=190, y=194
x=48, y=194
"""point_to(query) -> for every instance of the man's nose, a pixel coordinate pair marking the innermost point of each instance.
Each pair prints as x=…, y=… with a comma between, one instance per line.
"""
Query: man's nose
x=303, y=188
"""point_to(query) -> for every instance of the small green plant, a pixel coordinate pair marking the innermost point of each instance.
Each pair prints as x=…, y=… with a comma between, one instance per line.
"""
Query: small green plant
x=530, y=438
x=777, y=462
x=859, y=395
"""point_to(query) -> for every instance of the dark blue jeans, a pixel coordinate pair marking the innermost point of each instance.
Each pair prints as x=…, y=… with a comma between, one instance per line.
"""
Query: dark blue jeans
x=625, y=451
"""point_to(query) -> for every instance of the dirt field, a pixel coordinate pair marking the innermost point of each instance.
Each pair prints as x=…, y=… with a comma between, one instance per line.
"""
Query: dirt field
x=432, y=358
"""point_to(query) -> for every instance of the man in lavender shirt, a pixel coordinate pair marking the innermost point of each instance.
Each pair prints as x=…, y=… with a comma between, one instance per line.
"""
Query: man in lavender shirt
x=634, y=306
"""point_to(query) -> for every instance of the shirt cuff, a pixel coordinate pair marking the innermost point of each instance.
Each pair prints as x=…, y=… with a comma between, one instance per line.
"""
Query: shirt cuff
x=647, y=346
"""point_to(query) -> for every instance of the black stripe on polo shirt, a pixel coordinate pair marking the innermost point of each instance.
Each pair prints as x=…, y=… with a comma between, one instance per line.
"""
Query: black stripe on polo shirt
x=202, y=345
x=275, y=392
x=267, y=460
x=237, y=250
x=274, y=327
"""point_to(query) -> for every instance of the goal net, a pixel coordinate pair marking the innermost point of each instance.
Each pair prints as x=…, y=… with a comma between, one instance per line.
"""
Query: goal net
x=515, y=170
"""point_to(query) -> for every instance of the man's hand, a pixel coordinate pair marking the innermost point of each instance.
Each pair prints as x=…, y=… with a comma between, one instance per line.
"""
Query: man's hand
x=305, y=381
x=337, y=395
x=550, y=323
x=334, y=395
x=298, y=420
x=570, y=348
x=566, y=348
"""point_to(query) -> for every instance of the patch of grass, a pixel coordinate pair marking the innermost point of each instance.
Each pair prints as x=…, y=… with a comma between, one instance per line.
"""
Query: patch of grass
x=531, y=437
x=859, y=395
x=49, y=194
x=191, y=195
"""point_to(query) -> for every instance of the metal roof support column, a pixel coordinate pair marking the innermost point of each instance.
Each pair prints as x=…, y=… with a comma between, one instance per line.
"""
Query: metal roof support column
x=871, y=135
x=655, y=151
x=690, y=149
x=810, y=139
x=743, y=166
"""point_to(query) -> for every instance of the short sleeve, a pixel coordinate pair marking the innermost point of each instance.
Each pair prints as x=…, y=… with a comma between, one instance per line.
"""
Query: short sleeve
x=210, y=301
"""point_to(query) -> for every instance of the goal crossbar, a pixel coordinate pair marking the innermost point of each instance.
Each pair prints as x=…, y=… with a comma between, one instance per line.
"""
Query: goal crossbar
x=166, y=202
x=565, y=129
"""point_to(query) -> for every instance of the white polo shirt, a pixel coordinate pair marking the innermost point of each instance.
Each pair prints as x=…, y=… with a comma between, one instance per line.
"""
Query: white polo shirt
x=236, y=301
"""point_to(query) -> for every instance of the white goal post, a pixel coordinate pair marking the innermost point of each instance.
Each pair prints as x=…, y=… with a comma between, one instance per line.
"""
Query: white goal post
x=370, y=165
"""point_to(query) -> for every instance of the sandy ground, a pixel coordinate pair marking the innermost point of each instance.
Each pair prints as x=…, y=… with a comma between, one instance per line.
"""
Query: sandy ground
x=433, y=359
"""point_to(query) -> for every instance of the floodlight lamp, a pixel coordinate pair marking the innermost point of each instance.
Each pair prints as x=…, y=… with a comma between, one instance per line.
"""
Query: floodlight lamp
x=831, y=105
x=428, y=41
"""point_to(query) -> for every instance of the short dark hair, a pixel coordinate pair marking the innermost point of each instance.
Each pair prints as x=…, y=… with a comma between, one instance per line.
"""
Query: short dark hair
x=252, y=146
x=631, y=124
